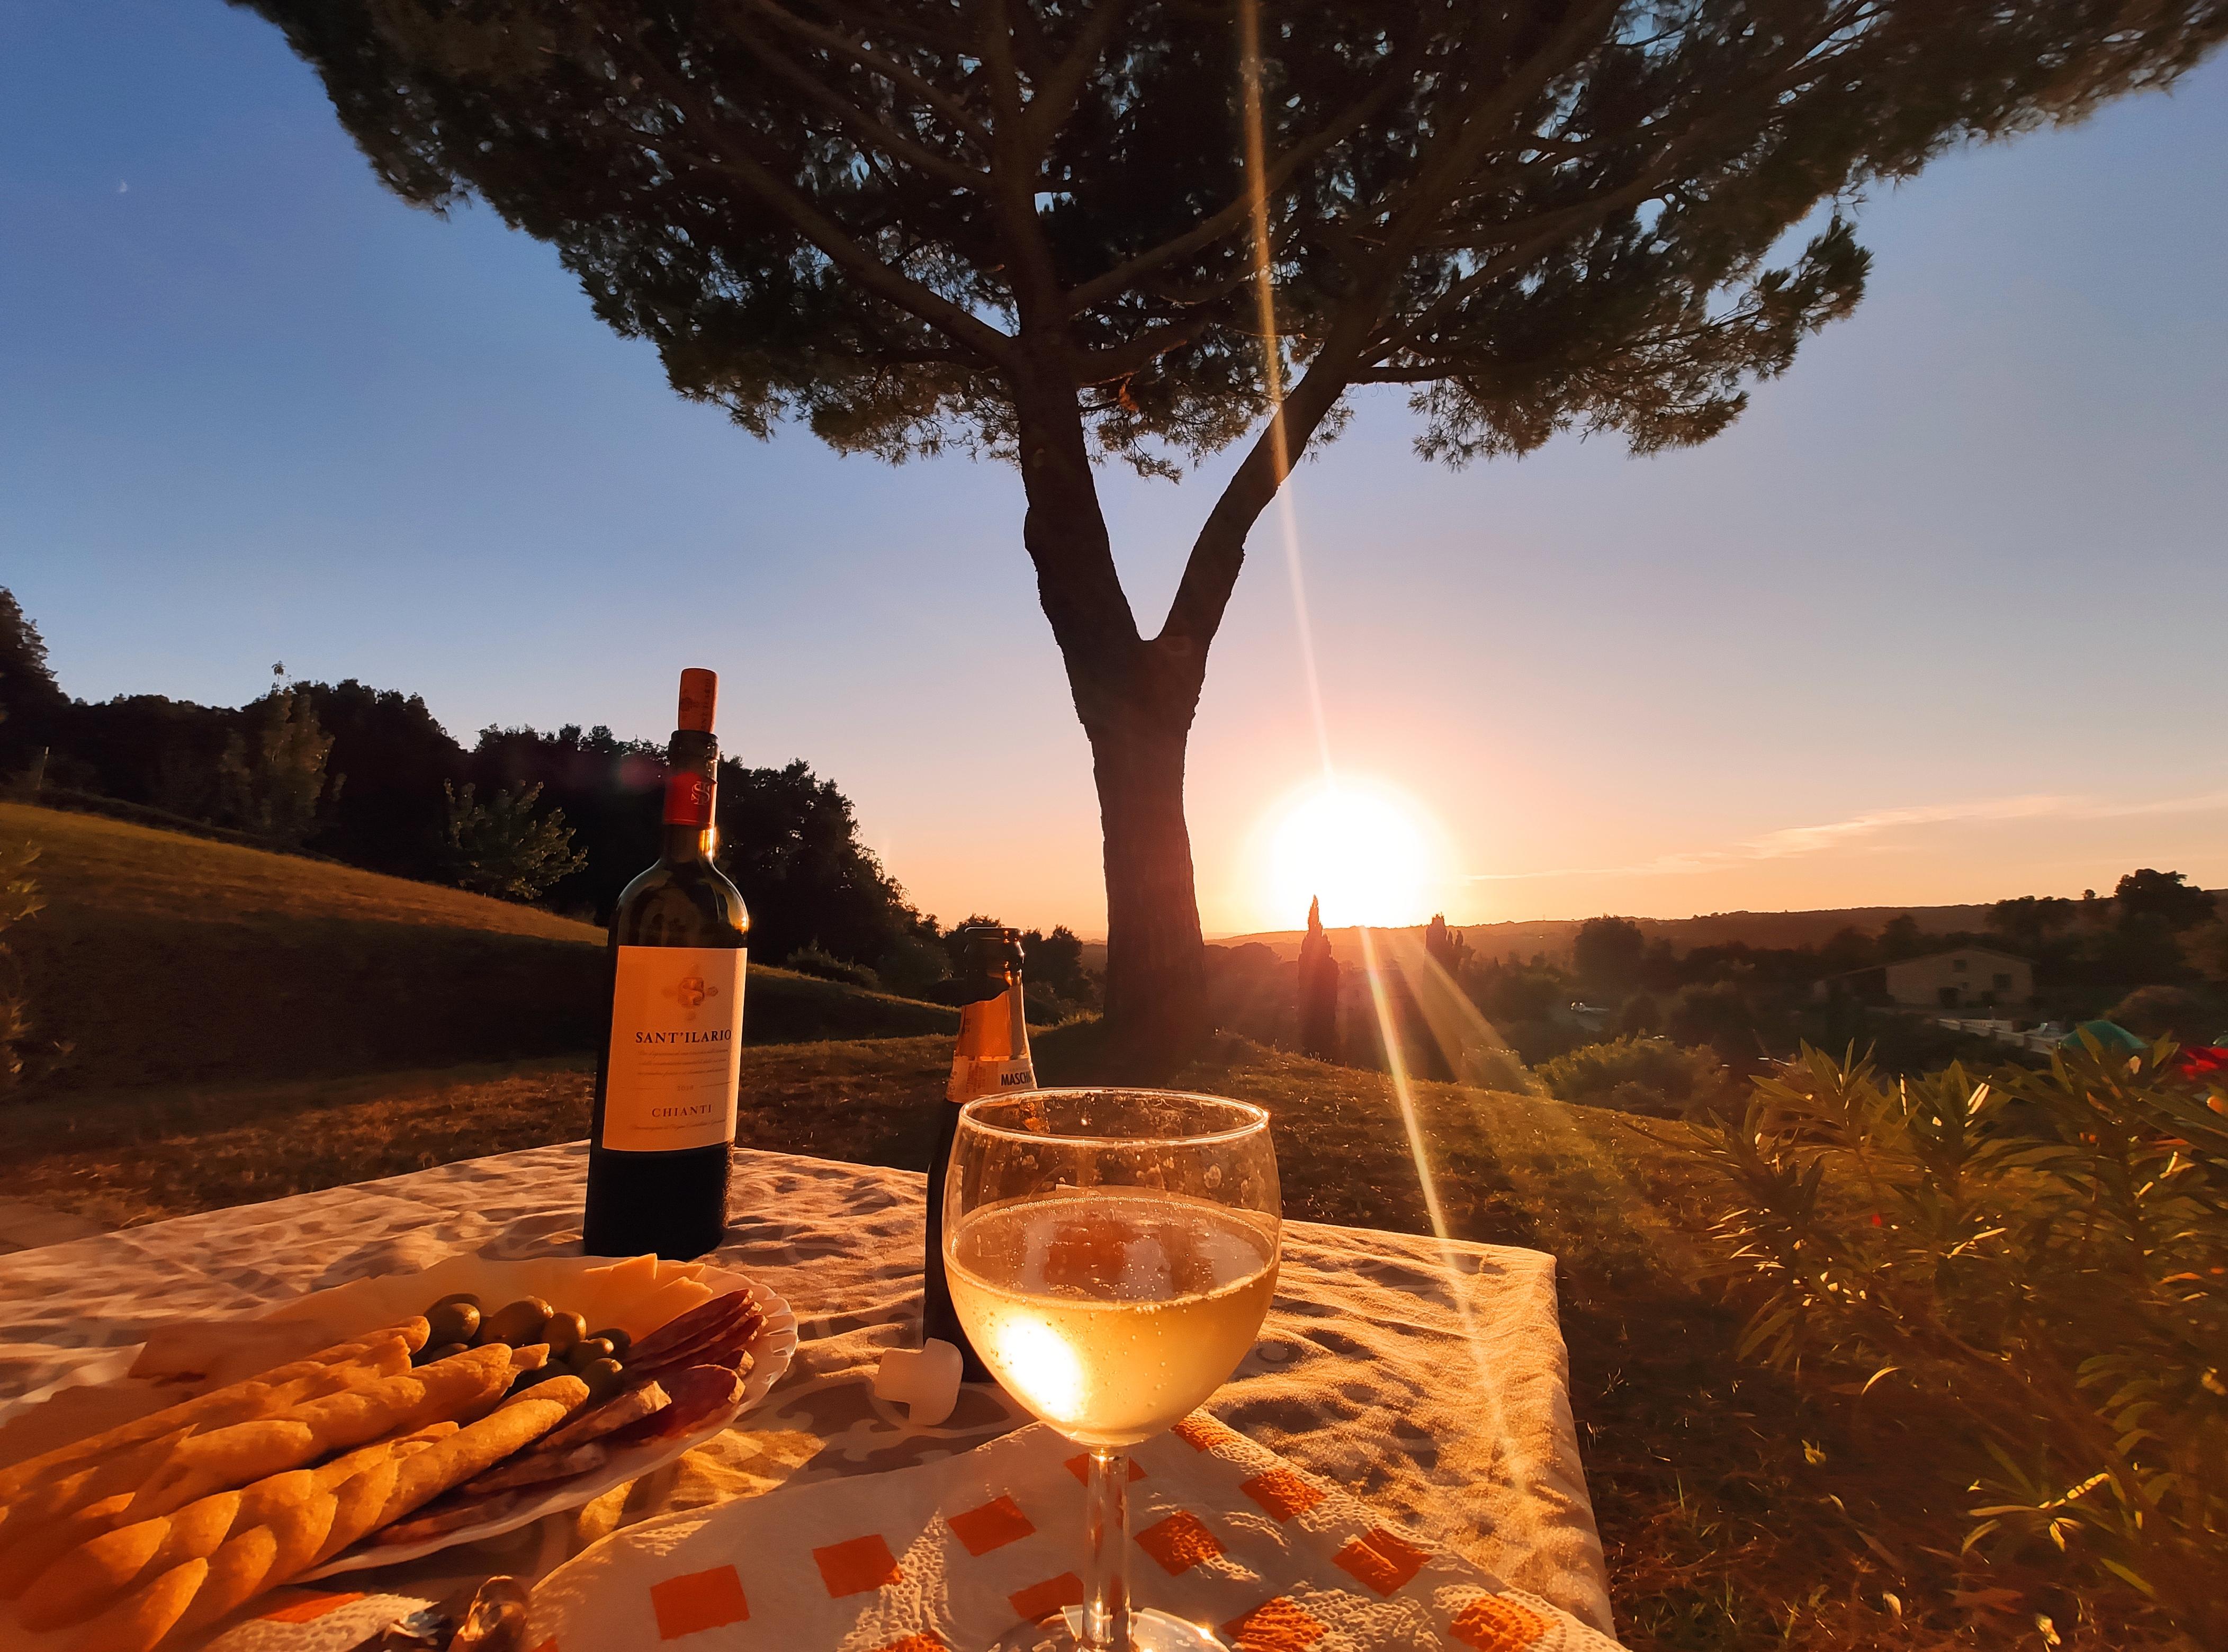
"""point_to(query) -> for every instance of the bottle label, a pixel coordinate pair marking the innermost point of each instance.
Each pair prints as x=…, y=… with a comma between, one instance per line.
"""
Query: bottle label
x=677, y=1048
x=994, y=1049
x=687, y=799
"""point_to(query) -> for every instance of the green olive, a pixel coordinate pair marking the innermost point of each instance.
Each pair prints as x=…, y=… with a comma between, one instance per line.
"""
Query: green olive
x=563, y=1331
x=439, y=1351
x=588, y=1350
x=619, y=1339
x=516, y=1322
x=527, y=1378
x=603, y=1378
x=453, y=1321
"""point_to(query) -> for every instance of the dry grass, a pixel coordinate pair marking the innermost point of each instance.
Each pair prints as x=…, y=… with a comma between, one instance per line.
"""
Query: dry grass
x=1737, y=1514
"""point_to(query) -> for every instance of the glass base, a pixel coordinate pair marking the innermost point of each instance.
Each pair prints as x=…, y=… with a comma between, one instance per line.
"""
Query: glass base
x=1149, y=1631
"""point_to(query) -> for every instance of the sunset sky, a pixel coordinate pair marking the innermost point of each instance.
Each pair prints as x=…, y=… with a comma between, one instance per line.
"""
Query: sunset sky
x=1940, y=619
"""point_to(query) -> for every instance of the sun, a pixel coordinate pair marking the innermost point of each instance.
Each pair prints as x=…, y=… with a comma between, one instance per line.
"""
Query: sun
x=1368, y=852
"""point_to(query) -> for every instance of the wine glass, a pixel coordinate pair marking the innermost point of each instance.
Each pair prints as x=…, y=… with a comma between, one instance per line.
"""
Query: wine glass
x=1112, y=1253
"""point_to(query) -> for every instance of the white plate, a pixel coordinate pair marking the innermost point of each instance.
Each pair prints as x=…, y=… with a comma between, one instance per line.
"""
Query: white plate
x=638, y=1295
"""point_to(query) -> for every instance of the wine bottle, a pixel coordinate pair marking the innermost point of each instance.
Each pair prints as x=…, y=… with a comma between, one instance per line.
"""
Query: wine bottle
x=664, y=1117
x=992, y=1058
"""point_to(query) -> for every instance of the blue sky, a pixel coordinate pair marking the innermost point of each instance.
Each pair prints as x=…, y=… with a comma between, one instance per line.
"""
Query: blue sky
x=1939, y=619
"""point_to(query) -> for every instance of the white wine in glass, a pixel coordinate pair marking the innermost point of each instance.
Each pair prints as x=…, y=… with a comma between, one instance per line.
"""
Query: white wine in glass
x=1112, y=1254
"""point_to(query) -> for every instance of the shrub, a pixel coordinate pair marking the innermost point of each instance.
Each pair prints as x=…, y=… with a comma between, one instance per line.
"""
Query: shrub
x=810, y=960
x=1497, y=1069
x=2168, y=1012
x=498, y=848
x=1638, y=1075
x=2057, y=1284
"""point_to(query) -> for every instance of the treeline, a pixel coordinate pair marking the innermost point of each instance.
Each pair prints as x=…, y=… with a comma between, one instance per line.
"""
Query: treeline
x=369, y=777
x=2153, y=955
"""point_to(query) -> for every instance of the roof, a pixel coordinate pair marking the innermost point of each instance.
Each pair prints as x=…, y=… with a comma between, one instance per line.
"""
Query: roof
x=1954, y=951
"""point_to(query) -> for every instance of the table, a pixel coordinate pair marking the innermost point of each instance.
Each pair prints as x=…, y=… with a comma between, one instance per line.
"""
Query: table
x=1431, y=1380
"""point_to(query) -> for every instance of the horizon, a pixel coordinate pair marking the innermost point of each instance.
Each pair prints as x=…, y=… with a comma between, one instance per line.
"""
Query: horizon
x=1866, y=649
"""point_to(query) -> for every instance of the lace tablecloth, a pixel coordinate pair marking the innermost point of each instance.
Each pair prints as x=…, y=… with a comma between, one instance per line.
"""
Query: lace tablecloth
x=1430, y=1380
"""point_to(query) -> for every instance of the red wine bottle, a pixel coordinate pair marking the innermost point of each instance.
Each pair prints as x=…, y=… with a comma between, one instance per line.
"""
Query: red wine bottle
x=992, y=1058
x=664, y=1118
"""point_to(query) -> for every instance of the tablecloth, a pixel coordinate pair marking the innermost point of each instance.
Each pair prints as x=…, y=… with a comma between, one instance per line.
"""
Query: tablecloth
x=1429, y=1379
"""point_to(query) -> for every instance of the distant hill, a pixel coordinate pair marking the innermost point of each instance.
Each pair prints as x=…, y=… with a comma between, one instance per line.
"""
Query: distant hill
x=1553, y=936
x=164, y=959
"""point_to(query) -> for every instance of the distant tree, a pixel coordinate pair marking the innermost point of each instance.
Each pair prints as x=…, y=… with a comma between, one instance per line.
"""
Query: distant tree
x=1059, y=233
x=30, y=702
x=1055, y=962
x=2206, y=948
x=1717, y=1014
x=2031, y=920
x=791, y=842
x=272, y=776
x=502, y=848
x=1640, y=1017
x=2156, y=1012
x=1509, y=990
x=1446, y=947
x=1607, y=954
x=1901, y=938
x=1847, y=949
x=1318, y=990
x=398, y=759
x=2166, y=896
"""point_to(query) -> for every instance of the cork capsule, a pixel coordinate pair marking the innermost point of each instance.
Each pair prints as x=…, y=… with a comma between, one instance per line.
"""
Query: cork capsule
x=699, y=698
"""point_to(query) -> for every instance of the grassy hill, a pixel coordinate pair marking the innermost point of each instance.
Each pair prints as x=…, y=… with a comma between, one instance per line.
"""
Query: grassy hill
x=164, y=960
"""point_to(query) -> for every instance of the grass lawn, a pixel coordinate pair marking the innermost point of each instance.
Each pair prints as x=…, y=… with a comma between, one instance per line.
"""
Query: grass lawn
x=165, y=959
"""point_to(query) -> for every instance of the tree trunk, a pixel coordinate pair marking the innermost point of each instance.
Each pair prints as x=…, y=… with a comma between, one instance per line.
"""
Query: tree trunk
x=1155, y=960
x=1135, y=699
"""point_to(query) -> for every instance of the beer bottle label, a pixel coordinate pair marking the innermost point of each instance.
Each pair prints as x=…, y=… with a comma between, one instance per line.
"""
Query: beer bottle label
x=994, y=1049
x=677, y=1048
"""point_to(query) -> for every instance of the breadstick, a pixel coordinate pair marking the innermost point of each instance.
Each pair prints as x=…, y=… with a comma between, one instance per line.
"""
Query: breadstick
x=468, y=1451
x=228, y=1456
x=256, y=1396
x=145, y=1616
x=93, y=1573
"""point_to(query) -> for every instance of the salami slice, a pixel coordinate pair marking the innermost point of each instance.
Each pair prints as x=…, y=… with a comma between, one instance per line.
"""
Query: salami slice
x=535, y=1468
x=700, y=1393
x=706, y=1320
x=733, y=1354
x=631, y=1406
x=448, y=1516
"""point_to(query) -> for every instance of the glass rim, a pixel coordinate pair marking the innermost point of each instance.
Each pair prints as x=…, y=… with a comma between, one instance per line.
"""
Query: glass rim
x=1255, y=1116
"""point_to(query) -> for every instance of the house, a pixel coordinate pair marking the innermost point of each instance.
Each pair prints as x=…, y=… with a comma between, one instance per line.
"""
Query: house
x=1971, y=977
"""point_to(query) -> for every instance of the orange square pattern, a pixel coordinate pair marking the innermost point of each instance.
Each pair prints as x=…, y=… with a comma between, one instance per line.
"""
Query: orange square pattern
x=1040, y=1600
x=917, y=1643
x=1198, y=1430
x=1381, y=1560
x=996, y=1523
x=1080, y=1467
x=854, y=1568
x=1277, y=1625
x=1282, y=1493
x=1179, y=1543
x=1493, y=1624
x=698, y=1600
x=310, y=1610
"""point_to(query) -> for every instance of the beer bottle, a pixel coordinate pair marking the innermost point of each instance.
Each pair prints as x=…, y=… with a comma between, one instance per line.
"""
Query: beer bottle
x=992, y=1058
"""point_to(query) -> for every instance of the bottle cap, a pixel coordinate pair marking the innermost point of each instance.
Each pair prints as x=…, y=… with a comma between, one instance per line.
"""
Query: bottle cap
x=699, y=697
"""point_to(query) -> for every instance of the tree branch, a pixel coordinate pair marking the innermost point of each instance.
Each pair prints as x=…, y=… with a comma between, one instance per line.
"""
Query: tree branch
x=873, y=131
x=895, y=72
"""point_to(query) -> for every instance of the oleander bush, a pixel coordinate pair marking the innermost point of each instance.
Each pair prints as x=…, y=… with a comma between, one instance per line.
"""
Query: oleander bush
x=2041, y=1256
x=1636, y=1075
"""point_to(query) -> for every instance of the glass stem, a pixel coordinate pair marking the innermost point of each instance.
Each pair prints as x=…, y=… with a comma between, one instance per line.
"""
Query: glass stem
x=1106, y=1608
